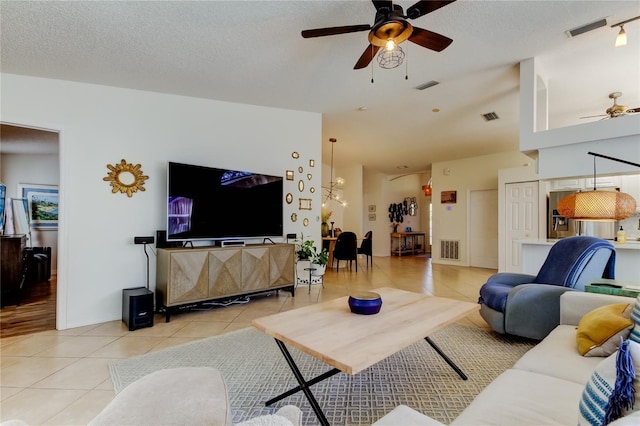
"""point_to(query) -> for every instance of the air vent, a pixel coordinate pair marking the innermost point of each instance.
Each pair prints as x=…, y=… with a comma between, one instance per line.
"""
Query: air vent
x=449, y=249
x=490, y=116
x=427, y=85
x=586, y=28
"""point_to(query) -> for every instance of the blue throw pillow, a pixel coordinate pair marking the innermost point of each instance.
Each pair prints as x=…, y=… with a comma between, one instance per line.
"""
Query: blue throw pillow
x=599, y=388
x=635, y=317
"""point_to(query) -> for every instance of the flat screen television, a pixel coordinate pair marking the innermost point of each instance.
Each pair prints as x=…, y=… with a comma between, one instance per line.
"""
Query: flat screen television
x=207, y=203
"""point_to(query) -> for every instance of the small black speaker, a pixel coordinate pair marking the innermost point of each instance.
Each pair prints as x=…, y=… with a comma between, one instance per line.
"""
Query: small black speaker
x=137, y=307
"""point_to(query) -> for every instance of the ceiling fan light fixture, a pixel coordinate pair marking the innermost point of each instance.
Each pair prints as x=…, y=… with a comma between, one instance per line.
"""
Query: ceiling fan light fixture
x=390, y=45
x=391, y=59
x=621, y=38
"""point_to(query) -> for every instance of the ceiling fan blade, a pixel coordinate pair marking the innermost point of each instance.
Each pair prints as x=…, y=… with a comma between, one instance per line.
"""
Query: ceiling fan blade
x=321, y=32
x=632, y=110
x=367, y=57
x=424, y=7
x=594, y=116
x=383, y=4
x=429, y=39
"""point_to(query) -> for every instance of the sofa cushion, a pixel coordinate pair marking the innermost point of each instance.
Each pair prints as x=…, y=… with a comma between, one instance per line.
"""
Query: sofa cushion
x=557, y=355
x=632, y=419
x=174, y=396
x=635, y=317
x=406, y=416
x=518, y=397
x=600, y=330
x=596, y=394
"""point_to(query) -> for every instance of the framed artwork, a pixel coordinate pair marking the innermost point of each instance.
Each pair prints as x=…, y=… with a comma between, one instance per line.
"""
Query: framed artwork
x=289, y=174
x=372, y=208
x=448, y=197
x=372, y=217
x=312, y=163
x=305, y=204
x=42, y=205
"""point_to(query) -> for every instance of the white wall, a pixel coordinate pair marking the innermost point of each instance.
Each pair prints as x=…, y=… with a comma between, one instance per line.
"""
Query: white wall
x=101, y=125
x=563, y=152
x=478, y=173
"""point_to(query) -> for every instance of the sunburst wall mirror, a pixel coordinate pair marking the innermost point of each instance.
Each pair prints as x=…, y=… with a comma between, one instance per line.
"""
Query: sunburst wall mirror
x=125, y=178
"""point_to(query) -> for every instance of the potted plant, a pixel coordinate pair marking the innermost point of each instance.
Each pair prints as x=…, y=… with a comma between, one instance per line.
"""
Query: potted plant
x=305, y=249
x=319, y=260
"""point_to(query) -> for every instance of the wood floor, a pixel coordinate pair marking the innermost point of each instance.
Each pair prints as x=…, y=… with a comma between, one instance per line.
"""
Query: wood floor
x=36, y=312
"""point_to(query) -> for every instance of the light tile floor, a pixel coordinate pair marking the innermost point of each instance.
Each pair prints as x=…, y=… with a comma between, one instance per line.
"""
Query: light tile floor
x=62, y=377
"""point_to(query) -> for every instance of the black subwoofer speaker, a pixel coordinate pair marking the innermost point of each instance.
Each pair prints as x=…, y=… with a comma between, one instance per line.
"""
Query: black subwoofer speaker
x=137, y=307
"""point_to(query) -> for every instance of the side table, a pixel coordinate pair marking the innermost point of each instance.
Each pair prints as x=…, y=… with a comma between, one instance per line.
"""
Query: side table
x=614, y=287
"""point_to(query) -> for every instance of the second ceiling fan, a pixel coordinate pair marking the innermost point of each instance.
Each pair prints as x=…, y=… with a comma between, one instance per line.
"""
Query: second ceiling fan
x=391, y=28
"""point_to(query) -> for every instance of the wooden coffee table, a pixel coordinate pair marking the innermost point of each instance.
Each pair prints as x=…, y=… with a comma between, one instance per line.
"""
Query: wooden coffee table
x=350, y=342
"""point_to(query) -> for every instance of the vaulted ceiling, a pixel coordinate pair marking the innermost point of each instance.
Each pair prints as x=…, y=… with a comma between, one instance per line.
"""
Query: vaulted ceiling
x=252, y=52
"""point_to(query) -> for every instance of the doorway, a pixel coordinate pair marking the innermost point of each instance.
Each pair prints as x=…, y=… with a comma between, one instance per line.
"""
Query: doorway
x=483, y=228
x=30, y=156
x=521, y=220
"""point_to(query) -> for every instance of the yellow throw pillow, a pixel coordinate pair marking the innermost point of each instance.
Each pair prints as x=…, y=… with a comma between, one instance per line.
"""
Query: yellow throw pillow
x=599, y=331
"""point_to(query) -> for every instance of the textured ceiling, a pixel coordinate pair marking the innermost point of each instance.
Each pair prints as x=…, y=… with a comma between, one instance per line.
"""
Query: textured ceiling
x=252, y=52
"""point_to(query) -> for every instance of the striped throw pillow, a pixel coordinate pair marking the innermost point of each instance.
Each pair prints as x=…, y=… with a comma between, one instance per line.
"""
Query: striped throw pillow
x=595, y=397
x=635, y=317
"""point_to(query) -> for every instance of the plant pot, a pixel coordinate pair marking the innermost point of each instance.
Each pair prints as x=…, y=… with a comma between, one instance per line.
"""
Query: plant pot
x=319, y=269
x=324, y=229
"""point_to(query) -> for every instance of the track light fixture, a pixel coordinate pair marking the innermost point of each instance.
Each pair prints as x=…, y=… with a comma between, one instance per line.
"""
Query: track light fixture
x=621, y=38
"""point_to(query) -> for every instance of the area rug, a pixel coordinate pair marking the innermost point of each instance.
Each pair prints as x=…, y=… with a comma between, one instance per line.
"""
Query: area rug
x=256, y=371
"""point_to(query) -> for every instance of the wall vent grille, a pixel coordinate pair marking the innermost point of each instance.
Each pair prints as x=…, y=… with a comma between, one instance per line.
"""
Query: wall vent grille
x=450, y=249
x=490, y=116
x=586, y=28
x=427, y=85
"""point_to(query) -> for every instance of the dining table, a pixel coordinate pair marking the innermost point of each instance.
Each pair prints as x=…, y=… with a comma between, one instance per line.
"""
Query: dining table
x=330, y=246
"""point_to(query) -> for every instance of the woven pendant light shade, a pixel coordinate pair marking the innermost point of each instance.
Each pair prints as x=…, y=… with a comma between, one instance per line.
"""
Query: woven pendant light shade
x=597, y=206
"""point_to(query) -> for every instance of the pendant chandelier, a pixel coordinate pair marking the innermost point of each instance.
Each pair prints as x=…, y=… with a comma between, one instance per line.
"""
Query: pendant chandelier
x=598, y=206
x=426, y=189
x=331, y=193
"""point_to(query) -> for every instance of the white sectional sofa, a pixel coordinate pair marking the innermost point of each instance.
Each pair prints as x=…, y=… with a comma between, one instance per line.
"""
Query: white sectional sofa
x=544, y=387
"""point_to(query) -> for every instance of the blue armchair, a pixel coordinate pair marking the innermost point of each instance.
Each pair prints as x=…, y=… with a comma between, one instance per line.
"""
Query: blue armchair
x=529, y=306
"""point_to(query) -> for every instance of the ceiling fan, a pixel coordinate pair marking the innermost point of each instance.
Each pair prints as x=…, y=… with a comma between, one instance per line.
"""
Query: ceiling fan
x=391, y=28
x=615, y=110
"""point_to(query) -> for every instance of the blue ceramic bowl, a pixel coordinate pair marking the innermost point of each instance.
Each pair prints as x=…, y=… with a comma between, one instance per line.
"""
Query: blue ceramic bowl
x=365, y=303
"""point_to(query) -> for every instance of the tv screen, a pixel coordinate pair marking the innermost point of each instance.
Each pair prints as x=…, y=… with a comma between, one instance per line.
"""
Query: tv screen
x=206, y=203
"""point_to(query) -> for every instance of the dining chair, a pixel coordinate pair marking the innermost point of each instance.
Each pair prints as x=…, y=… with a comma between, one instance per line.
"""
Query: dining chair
x=366, y=247
x=346, y=249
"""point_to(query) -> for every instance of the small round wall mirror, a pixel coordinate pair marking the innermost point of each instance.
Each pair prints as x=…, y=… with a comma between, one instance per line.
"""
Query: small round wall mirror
x=125, y=178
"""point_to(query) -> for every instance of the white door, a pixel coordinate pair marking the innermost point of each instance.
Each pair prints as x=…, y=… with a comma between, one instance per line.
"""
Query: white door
x=521, y=220
x=483, y=229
